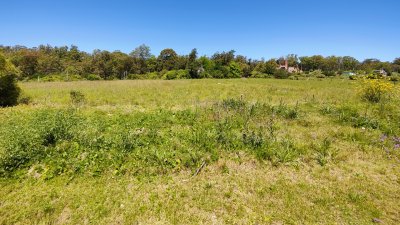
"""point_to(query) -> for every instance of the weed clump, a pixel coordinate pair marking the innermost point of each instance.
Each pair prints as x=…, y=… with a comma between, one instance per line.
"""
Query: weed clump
x=77, y=98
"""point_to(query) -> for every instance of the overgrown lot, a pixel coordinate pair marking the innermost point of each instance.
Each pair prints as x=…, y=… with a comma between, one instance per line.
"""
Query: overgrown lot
x=246, y=151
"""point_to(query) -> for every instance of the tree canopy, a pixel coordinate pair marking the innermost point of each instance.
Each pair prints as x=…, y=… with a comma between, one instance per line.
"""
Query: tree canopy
x=48, y=62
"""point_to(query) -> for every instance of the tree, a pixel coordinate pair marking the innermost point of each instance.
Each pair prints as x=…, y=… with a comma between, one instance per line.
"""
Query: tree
x=9, y=90
x=224, y=58
x=192, y=64
x=103, y=64
x=369, y=65
x=396, y=61
x=27, y=63
x=167, y=60
x=122, y=65
x=270, y=66
x=315, y=62
x=141, y=52
x=234, y=70
x=349, y=63
x=331, y=63
x=293, y=60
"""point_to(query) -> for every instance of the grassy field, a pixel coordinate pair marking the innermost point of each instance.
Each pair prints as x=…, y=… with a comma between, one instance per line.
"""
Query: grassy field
x=240, y=151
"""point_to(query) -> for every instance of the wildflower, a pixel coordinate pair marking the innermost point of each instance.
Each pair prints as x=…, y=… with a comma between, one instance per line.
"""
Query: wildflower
x=396, y=146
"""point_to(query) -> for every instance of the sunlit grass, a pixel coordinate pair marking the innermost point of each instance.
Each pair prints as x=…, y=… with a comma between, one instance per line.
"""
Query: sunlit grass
x=274, y=152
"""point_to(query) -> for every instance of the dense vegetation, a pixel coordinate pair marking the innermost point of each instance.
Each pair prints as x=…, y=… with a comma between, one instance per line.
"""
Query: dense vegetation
x=9, y=90
x=69, y=63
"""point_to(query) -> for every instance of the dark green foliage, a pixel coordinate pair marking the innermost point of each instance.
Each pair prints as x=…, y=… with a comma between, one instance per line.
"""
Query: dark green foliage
x=176, y=74
x=63, y=63
x=9, y=91
x=77, y=97
x=329, y=73
x=281, y=74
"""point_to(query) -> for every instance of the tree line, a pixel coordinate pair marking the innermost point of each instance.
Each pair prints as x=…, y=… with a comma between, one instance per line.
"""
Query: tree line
x=48, y=62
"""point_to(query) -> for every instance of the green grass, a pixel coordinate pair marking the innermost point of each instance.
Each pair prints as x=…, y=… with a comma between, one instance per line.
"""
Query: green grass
x=271, y=152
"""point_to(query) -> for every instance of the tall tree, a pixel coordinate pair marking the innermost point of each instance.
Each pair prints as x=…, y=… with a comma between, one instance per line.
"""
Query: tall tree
x=142, y=52
x=193, y=65
x=167, y=60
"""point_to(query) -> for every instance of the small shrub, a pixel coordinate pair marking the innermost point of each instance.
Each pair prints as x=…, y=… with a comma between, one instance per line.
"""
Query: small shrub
x=77, y=97
x=281, y=74
x=93, y=77
x=324, y=152
x=317, y=73
x=394, y=77
x=375, y=90
x=53, y=78
x=329, y=73
x=24, y=99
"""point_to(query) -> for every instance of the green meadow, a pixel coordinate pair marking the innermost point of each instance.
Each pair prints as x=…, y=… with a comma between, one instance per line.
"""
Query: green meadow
x=237, y=151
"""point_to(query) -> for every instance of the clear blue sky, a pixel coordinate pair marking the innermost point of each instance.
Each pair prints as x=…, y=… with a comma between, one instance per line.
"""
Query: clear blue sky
x=363, y=29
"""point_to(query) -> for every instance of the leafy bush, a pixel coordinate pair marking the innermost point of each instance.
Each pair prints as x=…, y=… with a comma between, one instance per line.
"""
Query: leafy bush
x=234, y=70
x=281, y=74
x=9, y=91
x=394, y=77
x=256, y=74
x=316, y=73
x=375, y=90
x=329, y=73
x=53, y=78
x=93, y=77
x=176, y=74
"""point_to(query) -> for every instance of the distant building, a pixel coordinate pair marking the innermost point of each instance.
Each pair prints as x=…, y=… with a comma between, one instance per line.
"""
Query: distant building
x=290, y=69
x=381, y=72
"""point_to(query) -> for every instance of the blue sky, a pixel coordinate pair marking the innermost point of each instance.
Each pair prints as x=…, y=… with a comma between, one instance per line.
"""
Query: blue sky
x=363, y=29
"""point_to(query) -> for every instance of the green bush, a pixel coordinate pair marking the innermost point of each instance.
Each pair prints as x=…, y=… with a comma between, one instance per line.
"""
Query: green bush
x=9, y=91
x=281, y=74
x=176, y=74
x=93, y=77
x=394, y=77
x=317, y=73
x=329, y=73
x=77, y=97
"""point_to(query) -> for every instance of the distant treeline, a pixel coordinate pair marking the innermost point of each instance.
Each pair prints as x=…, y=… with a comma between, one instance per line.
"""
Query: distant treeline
x=47, y=62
